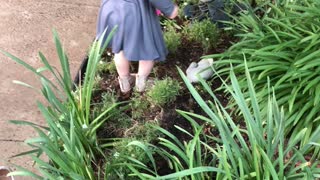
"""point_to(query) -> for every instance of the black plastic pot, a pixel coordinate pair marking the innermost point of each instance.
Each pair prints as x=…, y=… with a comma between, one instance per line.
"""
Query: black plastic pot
x=79, y=77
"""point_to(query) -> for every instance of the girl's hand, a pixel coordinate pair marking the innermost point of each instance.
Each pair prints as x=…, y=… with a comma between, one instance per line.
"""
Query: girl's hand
x=174, y=14
x=158, y=12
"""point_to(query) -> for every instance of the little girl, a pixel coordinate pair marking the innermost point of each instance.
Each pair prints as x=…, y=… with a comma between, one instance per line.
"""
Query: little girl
x=138, y=36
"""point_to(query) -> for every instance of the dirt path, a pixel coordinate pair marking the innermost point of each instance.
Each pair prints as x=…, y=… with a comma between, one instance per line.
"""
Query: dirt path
x=26, y=28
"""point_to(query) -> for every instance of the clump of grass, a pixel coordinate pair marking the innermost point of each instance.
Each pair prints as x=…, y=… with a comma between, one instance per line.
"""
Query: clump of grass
x=164, y=92
x=281, y=48
x=122, y=153
x=70, y=140
x=204, y=32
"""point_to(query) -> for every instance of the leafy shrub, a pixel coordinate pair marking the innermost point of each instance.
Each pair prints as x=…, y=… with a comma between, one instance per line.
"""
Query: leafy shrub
x=139, y=104
x=108, y=100
x=282, y=47
x=172, y=39
x=97, y=83
x=204, y=32
x=172, y=36
x=164, y=92
x=106, y=67
x=118, y=120
x=144, y=131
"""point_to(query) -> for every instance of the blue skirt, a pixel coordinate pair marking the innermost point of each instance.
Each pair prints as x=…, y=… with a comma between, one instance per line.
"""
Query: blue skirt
x=139, y=33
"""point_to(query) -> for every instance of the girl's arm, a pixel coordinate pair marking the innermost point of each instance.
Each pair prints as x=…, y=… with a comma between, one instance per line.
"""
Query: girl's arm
x=167, y=7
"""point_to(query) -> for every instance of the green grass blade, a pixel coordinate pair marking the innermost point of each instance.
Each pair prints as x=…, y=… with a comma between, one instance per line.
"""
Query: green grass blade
x=188, y=172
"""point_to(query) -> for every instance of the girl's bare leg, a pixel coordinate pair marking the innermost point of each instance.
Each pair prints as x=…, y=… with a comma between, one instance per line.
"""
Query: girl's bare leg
x=122, y=64
x=123, y=69
x=145, y=68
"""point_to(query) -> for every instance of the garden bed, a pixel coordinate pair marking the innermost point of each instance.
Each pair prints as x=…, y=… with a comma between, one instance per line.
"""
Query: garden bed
x=176, y=129
x=140, y=111
x=187, y=53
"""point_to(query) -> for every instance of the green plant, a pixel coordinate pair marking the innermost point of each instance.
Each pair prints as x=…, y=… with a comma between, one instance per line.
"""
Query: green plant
x=188, y=1
x=119, y=157
x=164, y=92
x=172, y=39
x=184, y=158
x=256, y=149
x=118, y=120
x=281, y=46
x=139, y=105
x=105, y=66
x=182, y=5
x=96, y=84
x=260, y=149
x=144, y=131
x=172, y=36
x=70, y=140
x=170, y=24
x=204, y=32
x=122, y=155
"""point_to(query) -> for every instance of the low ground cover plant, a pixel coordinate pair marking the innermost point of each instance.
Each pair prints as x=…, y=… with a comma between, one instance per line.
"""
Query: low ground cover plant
x=172, y=37
x=164, y=92
x=106, y=65
x=139, y=105
x=204, y=32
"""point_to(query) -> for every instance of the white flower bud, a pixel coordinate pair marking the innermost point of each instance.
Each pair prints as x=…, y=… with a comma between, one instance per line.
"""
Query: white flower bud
x=116, y=154
x=84, y=126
